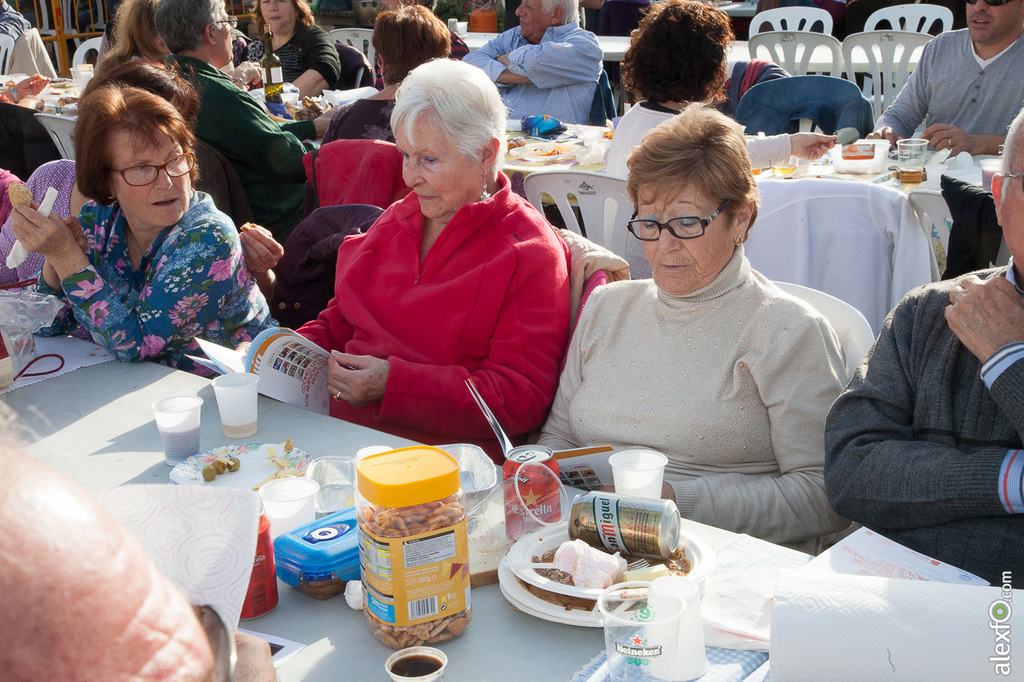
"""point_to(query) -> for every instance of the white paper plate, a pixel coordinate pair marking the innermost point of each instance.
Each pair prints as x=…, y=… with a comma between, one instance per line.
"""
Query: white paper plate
x=698, y=552
x=544, y=152
x=254, y=469
x=522, y=599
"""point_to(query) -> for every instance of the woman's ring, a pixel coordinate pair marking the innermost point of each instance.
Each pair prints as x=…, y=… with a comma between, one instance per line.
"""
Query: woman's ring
x=337, y=396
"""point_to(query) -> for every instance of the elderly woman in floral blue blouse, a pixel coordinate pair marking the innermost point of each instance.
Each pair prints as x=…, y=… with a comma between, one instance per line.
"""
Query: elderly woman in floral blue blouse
x=152, y=264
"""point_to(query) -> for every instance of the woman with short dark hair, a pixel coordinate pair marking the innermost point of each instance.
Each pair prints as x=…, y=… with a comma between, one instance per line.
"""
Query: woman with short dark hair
x=309, y=60
x=152, y=264
x=404, y=39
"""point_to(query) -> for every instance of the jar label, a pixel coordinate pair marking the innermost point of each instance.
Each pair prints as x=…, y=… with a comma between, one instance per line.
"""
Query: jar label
x=417, y=578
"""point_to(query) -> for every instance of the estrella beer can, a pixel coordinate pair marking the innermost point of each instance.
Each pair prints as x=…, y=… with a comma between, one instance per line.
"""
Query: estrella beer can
x=261, y=597
x=540, y=491
x=635, y=526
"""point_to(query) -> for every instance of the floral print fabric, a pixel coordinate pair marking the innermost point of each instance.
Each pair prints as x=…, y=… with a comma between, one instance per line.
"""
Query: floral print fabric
x=191, y=282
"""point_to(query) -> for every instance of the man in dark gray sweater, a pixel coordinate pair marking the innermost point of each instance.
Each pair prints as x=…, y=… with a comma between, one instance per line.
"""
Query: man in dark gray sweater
x=925, y=444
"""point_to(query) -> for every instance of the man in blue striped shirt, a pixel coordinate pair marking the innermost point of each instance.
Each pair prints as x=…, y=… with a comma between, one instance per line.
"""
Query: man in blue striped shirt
x=546, y=65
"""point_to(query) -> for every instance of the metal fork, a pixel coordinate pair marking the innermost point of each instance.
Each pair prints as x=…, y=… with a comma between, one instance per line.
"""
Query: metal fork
x=637, y=563
x=506, y=444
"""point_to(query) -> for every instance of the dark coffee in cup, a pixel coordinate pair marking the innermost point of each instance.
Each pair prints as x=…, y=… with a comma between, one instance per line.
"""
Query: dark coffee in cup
x=416, y=666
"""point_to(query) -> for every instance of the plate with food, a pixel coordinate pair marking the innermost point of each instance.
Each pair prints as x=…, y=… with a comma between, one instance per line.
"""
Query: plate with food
x=245, y=466
x=552, y=608
x=61, y=84
x=693, y=558
x=543, y=152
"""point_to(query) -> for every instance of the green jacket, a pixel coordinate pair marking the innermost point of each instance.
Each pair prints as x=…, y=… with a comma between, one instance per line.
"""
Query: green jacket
x=266, y=154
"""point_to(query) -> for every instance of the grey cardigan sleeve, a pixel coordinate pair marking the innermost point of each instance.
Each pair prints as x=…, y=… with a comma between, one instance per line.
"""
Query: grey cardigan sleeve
x=891, y=463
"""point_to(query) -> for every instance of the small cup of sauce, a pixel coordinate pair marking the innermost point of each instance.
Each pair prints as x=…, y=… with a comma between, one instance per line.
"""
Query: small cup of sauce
x=416, y=664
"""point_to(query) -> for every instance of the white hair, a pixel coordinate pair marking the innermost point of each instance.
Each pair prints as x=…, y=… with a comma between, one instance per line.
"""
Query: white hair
x=570, y=9
x=1013, y=147
x=458, y=100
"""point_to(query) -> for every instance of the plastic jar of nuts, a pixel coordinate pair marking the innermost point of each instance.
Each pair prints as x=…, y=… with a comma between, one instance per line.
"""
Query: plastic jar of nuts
x=413, y=548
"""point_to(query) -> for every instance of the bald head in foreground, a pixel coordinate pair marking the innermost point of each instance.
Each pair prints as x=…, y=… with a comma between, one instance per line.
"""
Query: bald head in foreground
x=82, y=601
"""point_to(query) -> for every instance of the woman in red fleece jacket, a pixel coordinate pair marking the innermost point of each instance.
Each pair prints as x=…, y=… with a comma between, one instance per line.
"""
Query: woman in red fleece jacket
x=462, y=278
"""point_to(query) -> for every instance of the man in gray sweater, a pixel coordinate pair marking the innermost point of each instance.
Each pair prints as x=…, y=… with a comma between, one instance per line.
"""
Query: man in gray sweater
x=968, y=83
x=925, y=444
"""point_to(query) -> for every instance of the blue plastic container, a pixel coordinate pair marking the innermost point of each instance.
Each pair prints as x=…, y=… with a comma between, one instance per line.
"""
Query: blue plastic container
x=319, y=558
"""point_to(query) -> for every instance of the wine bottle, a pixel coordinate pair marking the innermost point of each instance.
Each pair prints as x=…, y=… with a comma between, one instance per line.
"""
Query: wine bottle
x=273, y=77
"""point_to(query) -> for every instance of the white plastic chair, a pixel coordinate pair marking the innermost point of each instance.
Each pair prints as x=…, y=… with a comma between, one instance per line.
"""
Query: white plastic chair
x=791, y=19
x=859, y=242
x=792, y=50
x=6, y=51
x=933, y=213
x=917, y=18
x=889, y=55
x=359, y=38
x=602, y=201
x=62, y=132
x=852, y=328
x=82, y=53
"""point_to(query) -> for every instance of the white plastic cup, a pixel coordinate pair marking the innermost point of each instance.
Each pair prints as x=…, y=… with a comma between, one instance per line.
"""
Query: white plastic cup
x=289, y=503
x=638, y=473
x=691, y=659
x=989, y=167
x=640, y=633
x=412, y=657
x=177, y=419
x=237, y=401
x=81, y=75
x=934, y=175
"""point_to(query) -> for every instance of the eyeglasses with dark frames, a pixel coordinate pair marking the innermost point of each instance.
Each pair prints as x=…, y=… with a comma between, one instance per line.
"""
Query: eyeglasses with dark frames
x=140, y=176
x=683, y=227
x=991, y=3
x=230, y=21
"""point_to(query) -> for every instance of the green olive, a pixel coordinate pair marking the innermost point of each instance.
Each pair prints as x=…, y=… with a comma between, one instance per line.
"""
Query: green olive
x=209, y=473
x=234, y=464
x=219, y=466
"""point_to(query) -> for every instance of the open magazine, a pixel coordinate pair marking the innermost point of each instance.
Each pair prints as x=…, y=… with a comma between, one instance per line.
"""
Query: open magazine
x=291, y=368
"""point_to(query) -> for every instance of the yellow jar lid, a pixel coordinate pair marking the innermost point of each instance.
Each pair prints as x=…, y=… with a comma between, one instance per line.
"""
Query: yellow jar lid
x=407, y=476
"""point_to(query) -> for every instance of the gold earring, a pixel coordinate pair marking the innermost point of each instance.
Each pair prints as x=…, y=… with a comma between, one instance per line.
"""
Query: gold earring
x=739, y=240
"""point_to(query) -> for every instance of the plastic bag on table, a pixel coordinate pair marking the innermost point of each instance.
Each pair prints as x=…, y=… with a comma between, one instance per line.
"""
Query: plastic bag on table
x=22, y=313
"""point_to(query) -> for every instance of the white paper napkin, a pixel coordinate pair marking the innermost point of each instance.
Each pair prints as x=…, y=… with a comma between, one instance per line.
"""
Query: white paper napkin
x=202, y=539
x=841, y=627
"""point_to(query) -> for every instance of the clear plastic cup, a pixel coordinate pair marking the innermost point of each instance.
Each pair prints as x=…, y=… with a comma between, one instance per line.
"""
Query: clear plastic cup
x=911, y=160
x=989, y=167
x=177, y=419
x=638, y=473
x=336, y=477
x=237, y=402
x=531, y=499
x=641, y=632
x=289, y=503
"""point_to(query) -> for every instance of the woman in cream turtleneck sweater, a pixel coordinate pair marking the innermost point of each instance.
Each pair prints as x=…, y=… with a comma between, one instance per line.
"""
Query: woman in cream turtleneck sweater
x=709, y=363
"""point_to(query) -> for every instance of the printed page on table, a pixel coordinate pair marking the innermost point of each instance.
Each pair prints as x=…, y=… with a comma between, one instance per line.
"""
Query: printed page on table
x=866, y=552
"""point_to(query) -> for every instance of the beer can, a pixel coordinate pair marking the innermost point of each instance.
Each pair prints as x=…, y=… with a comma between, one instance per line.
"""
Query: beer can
x=261, y=597
x=635, y=526
x=543, y=488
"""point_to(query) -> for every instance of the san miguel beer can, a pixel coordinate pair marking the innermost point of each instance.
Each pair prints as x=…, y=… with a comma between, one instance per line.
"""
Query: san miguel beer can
x=540, y=492
x=634, y=526
x=261, y=597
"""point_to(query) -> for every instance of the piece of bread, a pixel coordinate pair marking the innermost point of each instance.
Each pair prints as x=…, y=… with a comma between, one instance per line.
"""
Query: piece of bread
x=20, y=194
